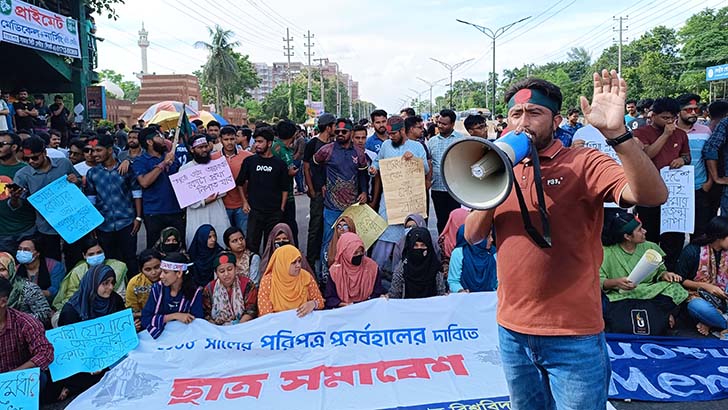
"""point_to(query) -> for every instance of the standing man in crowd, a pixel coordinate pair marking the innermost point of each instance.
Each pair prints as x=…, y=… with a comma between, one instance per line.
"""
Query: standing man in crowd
x=549, y=313
x=5, y=121
x=476, y=126
x=631, y=111
x=133, y=148
x=119, y=200
x=213, y=130
x=570, y=127
x=379, y=123
x=397, y=146
x=716, y=148
x=234, y=157
x=263, y=186
x=299, y=146
x=359, y=138
x=16, y=213
x=667, y=146
x=443, y=201
x=40, y=122
x=25, y=112
x=315, y=175
x=152, y=170
x=283, y=149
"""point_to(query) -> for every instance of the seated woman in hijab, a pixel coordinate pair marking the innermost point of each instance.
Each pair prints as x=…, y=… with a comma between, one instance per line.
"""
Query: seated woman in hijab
x=93, y=255
x=25, y=296
x=231, y=298
x=280, y=235
x=203, y=249
x=137, y=292
x=170, y=240
x=94, y=298
x=411, y=221
x=287, y=286
x=174, y=297
x=704, y=265
x=659, y=293
x=354, y=277
x=342, y=226
x=247, y=263
x=448, y=237
x=418, y=275
x=472, y=268
x=45, y=272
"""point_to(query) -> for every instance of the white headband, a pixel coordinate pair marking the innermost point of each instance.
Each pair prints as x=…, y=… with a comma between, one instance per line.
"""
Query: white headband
x=175, y=266
x=199, y=141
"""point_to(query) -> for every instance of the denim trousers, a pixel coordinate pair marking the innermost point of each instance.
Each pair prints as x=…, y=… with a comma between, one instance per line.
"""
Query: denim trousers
x=555, y=372
x=330, y=217
x=707, y=314
x=237, y=218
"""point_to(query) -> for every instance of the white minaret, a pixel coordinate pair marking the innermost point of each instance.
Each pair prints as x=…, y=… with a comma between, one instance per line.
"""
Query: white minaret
x=143, y=44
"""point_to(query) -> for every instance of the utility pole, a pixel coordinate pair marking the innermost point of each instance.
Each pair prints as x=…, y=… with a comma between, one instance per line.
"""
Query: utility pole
x=351, y=107
x=451, y=68
x=321, y=73
x=308, y=54
x=338, y=96
x=493, y=35
x=288, y=52
x=621, y=30
x=431, y=84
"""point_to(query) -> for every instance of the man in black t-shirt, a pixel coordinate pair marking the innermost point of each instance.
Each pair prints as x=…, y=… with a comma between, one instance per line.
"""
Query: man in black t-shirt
x=263, y=185
x=59, y=115
x=25, y=112
x=315, y=180
x=40, y=123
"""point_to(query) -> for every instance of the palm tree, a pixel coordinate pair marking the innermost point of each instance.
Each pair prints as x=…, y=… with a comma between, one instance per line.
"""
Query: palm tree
x=221, y=67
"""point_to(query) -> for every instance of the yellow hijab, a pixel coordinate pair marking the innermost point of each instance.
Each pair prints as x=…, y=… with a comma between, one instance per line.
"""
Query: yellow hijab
x=287, y=292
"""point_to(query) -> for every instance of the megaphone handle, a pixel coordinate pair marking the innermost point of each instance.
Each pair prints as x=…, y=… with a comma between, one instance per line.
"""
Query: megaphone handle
x=542, y=240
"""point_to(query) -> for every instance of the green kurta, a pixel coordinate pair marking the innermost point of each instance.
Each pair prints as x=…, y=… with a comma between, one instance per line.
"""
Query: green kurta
x=618, y=264
x=72, y=281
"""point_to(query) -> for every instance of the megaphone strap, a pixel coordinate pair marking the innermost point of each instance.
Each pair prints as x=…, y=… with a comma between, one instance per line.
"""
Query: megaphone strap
x=542, y=240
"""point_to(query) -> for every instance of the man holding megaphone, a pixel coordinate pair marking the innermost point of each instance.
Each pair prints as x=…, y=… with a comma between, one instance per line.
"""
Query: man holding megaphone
x=549, y=299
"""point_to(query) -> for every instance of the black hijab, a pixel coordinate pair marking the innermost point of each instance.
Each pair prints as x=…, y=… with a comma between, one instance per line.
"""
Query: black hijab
x=420, y=266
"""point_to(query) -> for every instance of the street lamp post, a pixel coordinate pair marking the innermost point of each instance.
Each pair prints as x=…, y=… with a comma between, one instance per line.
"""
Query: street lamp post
x=451, y=68
x=431, y=84
x=493, y=35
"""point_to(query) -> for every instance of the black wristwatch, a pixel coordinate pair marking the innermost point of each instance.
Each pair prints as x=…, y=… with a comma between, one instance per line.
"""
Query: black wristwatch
x=622, y=138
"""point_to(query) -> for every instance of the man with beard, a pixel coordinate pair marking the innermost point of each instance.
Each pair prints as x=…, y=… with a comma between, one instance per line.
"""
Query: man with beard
x=379, y=123
x=152, y=170
x=234, y=157
x=18, y=215
x=263, y=185
x=40, y=123
x=549, y=313
x=347, y=181
x=119, y=200
x=213, y=132
x=442, y=200
x=707, y=199
x=133, y=149
x=667, y=146
x=397, y=146
x=210, y=210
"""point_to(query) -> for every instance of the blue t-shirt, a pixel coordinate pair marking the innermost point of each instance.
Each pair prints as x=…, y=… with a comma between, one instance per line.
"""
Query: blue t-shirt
x=159, y=197
x=697, y=136
x=373, y=143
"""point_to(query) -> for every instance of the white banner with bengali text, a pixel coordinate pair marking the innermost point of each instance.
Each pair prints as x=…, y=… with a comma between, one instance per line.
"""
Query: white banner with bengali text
x=30, y=26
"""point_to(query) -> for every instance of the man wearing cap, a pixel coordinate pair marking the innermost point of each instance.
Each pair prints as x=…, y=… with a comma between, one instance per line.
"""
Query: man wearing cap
x=315, y=176
x=549, y=311
x=346, y=179
x=152, y=170
x=210, y=210
x=119, y=200
x=40, y=172
x=398, y=145
x=698, y=134
x=442, y=200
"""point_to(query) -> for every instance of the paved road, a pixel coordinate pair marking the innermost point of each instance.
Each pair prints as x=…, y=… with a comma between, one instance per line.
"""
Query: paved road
x=302, y=218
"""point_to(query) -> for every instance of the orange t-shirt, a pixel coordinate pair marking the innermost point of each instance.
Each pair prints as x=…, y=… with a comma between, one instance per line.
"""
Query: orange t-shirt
x=232, y=199
x=555, y=292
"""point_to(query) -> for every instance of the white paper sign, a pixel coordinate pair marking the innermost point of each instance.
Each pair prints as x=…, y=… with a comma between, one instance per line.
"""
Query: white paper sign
x=678, y=213
x=202, y=180
x=31, y=26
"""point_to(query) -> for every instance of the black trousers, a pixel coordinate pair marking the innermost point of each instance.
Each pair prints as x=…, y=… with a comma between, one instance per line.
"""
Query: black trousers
x=121, y=245
x=670, y=242
x=260, y=223
x=289, y=217
x=444, y=204
x=51, y=248
x=154, y=223
x=315, y=229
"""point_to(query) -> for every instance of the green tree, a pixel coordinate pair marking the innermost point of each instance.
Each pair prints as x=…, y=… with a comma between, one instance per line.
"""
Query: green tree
x=235, y=93
x=221, y=68
x=275, y=104
x=107, y=7
x=130, y=88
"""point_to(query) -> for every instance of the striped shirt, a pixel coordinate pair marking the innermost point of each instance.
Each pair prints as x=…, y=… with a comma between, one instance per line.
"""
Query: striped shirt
x=161, y=303
x=437, y=146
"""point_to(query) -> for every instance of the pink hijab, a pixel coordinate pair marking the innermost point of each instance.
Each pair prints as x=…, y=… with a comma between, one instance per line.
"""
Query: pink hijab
x=353, y=283
x=448, y=237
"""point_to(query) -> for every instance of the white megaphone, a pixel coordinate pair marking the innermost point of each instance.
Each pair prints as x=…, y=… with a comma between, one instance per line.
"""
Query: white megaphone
x=479, y=173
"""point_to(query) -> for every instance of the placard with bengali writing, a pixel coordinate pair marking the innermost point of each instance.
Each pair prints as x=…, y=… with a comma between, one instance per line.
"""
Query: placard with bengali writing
x=369, y=225
x=67, y=209
x=403, y=182
x=19, y=390
x=196, y=183
x=678, y=213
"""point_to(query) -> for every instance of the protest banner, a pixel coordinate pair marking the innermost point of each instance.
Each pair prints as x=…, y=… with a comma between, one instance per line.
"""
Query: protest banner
x=369, y=225
x=27, y=25
x=20, y=389
x=92, y=345
x=403, y=182
x=678, y=213
x=201, y=181
x=67, y=209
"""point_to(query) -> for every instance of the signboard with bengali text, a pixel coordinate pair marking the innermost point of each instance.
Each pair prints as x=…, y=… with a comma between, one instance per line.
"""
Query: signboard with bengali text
x=30, y=26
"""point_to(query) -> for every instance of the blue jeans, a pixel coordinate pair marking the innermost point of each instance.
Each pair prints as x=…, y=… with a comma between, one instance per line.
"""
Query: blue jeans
x=330, y=217
x=237, y=218
x=555, y=372
x=300, y=183
x=707, y=314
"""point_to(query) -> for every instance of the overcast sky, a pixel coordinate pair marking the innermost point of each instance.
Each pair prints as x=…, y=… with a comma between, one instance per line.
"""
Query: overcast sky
x=384, y=45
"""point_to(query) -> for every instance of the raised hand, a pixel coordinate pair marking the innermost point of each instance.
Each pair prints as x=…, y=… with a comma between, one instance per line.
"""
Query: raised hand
x=606, y=112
